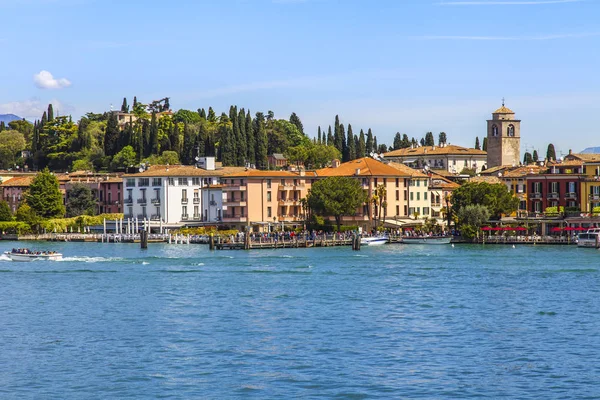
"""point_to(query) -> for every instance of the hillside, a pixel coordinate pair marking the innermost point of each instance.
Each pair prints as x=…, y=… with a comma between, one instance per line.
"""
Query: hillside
x=6, y=118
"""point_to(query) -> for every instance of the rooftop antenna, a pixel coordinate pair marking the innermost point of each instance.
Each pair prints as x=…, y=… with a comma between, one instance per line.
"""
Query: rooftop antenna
x=503, y=102
x=111, y=107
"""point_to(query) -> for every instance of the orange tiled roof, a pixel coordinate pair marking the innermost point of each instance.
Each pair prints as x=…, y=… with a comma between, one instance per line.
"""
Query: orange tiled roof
x=486, y=179
x=182, y=170
x=566, y=163
x=504, y=110
x=408, y=171
x=523, y=171
x=367, y=167
x=586, y=157
x=257, y=173
x=495, y=170
x=23, y=181
x=435, y=150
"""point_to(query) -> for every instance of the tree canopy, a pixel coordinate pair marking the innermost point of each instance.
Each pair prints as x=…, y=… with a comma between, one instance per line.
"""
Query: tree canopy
x=44, y=196
x=495, y=197
x=80, y=201
x=336, y=197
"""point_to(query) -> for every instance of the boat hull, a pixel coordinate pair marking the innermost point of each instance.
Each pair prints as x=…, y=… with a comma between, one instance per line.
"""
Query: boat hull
x=426, y=240
x=373, y=241
x=31, y=257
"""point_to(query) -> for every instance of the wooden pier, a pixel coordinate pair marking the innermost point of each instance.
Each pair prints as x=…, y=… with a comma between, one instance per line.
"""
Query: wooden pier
x=283, y=243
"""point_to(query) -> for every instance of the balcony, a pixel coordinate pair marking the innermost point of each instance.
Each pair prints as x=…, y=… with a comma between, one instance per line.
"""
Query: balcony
x=234, y=218
x=536, y=195
x=185, y=217
x=234, y=188
x=155, y=217
x=142, y=216
x=184, y=201
x=234, y=202
x=553, y=195
x=142, y=200
x=289, y=202
x=128, y=216
x=196, y=200
x=156, y=202
x=196, y=217
x=213, y=203
x=571, y=195
x=128, y=201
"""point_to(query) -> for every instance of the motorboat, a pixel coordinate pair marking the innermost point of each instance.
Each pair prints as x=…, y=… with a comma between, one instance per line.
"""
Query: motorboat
x=374, y=240
x=426, y=239
x=590, y=238
x=30, y=255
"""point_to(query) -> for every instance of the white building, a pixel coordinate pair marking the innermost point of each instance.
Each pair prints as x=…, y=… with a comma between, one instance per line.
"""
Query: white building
x=449, y=157
x=176, y=194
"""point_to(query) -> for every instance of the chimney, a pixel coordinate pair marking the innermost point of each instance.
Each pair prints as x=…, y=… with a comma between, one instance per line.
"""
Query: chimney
x=570, y=151
x=335, y=163
x=357, y=172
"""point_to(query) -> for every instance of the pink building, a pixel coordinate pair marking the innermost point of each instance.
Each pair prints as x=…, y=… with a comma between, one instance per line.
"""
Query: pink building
x=111, y=196
x=13, y=189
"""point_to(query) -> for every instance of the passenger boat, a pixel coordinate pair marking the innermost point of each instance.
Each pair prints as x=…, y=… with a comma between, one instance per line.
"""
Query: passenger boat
x=426, y=239
x=29, y=255
x=591, y=238
x=374, y=240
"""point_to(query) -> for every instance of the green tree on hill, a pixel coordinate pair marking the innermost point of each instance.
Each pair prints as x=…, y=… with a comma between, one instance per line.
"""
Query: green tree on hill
x=5, y=214
x=495, y=197
x=44, y=196
x=80, y=201
x=550, y=153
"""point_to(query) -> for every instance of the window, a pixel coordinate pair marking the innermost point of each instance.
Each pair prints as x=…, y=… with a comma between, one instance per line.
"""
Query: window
x=411, y=196
x=510, y=130
x=184, y=211
x=418, y=182
x=405, y=195
x=425, y=196
x=269, y=196
x=283, y=182
x=130, y=182
x=242, y=196
x=295, y=182
x=375, y=181
x=494, y=130
x=418, y=195
x=268, y=184
x=144, y=215
x=466, y=164
x=156, y=182
x=397, y=210
x=182, y=181
x=397, y=182
x=364, y=181
x=405, y=210
x=384, y=181
x=196, y=181
x=397, y=195
x=144, y=182
x=425, y=210
x=184, y=194
x=196, y=211
x=269, y=212
x=172, y=181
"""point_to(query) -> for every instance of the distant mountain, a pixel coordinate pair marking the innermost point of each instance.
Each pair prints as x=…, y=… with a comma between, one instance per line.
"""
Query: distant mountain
x=591, y=150
x=9, y=117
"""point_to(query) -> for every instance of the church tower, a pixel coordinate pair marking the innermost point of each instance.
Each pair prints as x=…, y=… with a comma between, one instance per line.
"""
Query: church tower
x=503, y=138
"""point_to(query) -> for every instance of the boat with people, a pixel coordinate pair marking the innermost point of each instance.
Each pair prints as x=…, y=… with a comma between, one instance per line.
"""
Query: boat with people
x=30, y=255
x=374, y=240
x=426, y=239
x=590, y=238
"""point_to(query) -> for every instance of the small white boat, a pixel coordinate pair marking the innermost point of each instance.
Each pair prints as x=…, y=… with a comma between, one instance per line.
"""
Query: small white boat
x=426, y=239
x=374, y=240
x=591, y=238
x=33, y=255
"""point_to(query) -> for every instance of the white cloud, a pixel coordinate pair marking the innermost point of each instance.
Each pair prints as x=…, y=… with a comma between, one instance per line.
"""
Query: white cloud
x=33, y=109
x=506, y=3
x=45, y=80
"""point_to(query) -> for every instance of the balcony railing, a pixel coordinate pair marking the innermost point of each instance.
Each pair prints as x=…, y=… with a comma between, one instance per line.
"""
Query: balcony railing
x=155, y=217
x=553, y=195
x=197, y=217
x=184, y=201
x=128, y=201
x=571, y=195
x=234, y=187
x=142, y=216
x=142, y=200
x=185, y=217
x=213, y=203
x=156, y=201
x=536, y=195
x=128, y=216
x=196, y=200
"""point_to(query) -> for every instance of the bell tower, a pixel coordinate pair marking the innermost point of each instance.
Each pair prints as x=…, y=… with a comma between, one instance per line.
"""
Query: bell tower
x=503, y=138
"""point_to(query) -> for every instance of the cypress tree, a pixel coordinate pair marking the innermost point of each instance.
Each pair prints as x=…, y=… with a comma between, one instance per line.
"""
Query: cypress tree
x=212, y=117
x=146, y=138
x=153, y=134
x=442, y=138
x=134, y=102
x=484, y=145
x=344, y=150
x=351, y=144
x=429, y=140
x=139, y=142
x=370, y=149
x=405, y=141
x=129, y=134
x=239, y=139
x=550, y=152
x=111, y=135
x=250, y=140
x=375, y=149
x=124, y=106
x=361, y=149
x=477, y=147
x=243, y=136
x=535, y=156
x=338, y=136
x=44, y=120
x=201, y=141
x=187, y=153
x=422, y=141
x=261, y=140
x=2, y=126
x=174, y=139
x=330, y=140
x=294, y=119
x=202, y=113
x=50, y=113
x=397, y=141
x=527, y=158
x=319, y=135
x=226, y=148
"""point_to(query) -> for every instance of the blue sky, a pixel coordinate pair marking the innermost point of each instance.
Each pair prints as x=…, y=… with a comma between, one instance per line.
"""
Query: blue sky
x=408, y=66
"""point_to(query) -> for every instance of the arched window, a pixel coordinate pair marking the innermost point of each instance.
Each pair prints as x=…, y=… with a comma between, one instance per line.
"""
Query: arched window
x=511, y=130
x=494, y=130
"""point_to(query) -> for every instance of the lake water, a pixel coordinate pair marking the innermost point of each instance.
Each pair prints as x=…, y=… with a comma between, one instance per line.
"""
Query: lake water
x=177, y=321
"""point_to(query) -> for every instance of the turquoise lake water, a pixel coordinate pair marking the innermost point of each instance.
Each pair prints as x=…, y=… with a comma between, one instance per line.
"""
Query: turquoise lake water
x=398, y=321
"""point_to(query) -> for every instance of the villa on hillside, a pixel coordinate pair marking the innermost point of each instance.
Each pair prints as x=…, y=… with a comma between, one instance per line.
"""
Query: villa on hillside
x=448, y=157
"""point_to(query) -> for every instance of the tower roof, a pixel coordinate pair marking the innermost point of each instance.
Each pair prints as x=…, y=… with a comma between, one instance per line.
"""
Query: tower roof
x=503, y=110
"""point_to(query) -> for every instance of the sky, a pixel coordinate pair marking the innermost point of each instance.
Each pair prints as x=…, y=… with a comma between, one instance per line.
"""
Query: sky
x=408, y=66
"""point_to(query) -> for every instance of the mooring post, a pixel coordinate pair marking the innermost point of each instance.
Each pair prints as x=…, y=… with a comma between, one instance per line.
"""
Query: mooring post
x=144, y=239
x=211, y=242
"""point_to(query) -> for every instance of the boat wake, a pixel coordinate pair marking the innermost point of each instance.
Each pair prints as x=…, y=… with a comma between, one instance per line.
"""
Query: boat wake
x=91, y=259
